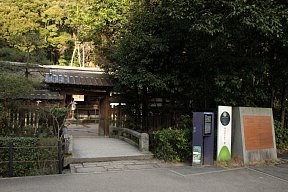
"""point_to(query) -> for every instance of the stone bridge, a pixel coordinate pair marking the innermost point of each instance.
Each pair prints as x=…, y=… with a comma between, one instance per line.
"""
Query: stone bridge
x=123, y=144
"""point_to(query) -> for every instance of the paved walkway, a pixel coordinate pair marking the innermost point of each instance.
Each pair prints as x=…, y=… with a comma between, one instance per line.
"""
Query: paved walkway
x=84, y=130
x=168, y=179
x=87, y=147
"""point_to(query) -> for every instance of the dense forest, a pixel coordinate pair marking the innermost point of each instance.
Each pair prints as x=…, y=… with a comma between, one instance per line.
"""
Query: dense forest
x=51, y=32
x=193, y=54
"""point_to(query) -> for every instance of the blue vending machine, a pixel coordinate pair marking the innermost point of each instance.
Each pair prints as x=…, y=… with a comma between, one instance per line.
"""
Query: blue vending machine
x=203, y=138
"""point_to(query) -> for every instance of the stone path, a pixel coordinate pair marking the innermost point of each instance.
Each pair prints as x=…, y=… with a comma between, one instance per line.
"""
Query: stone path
x=182, y=169
x=88, y=147
x=84, y=130
x=115, y=166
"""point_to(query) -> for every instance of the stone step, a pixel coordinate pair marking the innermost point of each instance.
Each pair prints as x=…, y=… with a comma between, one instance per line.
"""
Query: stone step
x=114, y=166
x=73, y=160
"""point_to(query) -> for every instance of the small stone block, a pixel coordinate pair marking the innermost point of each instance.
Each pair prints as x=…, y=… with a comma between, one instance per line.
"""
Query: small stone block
x=91, y=170
x=115, y=169
x=136, y=167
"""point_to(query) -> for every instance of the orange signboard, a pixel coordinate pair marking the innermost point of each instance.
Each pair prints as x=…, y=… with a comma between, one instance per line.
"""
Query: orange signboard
x=258, y=132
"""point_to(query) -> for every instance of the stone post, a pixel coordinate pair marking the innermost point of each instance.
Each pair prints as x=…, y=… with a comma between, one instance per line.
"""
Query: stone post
x=144, y=142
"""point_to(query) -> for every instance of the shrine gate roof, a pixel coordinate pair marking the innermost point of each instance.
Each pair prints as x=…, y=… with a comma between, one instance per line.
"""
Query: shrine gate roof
x=68, y=77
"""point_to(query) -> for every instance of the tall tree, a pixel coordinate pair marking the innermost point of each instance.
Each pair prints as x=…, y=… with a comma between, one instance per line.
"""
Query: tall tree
x=96, y=26
x=204, y=53
x=34, y=26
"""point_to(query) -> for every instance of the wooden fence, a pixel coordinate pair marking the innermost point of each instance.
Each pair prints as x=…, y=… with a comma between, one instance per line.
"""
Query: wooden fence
x=24, y=117
x=16, y=120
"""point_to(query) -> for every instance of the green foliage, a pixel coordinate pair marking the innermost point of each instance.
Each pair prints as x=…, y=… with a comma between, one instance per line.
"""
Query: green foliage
x=59, y=112
x=172, y=144
x=185, y=122
x=281, y=135
x=51, y=26
x=30, y=158
x=99, y=20
x=200, y=54
x=4, y=123
x=196, y=54
x=13, y=86
x=12, y=54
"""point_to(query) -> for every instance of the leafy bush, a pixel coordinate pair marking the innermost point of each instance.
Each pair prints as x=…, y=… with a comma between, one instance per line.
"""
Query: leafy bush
x=58, y=114
x=172, y=144
x=281, y=135
x=14, y=85
x=31, y=156
x=12, y=54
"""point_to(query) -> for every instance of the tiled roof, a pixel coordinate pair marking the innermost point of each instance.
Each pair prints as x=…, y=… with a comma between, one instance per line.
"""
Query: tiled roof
x=78, y=78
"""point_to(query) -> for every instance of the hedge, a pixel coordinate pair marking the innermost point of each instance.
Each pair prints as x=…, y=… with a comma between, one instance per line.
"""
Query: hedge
x=281, y=134
x=172, y=144
x=30, y=156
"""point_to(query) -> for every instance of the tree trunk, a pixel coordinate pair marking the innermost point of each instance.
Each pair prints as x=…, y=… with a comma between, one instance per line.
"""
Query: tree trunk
x=272, y=98
x=283, y=105
x=73, y=55
x=138, y=110
x=83, y=56
x=26, y=73
x=145, y=103
x=79, y=55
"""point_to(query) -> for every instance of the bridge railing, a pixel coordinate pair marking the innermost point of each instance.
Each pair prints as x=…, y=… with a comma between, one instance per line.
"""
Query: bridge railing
x=140, y=140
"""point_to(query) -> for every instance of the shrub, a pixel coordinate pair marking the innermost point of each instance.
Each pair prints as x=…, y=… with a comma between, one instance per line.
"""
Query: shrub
x=12, y=54
x=58, y=114
x=281, y=135
x=16, y=55
x=172, y=144
x=30, y=156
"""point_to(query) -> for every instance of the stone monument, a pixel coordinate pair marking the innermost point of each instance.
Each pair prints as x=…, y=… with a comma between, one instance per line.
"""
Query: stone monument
x=253, y=137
